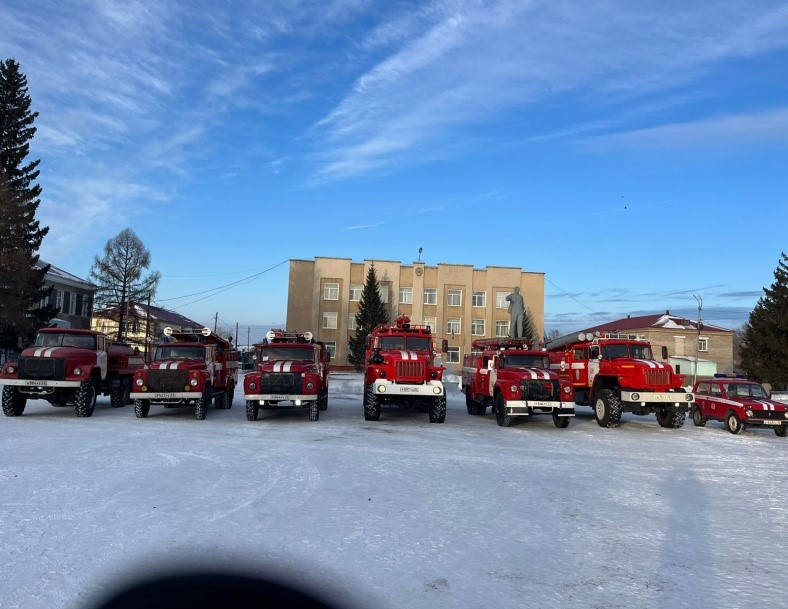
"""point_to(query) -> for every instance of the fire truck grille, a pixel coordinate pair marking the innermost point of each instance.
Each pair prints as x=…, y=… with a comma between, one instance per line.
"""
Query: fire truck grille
x=540, y=390
x=657, y=377
x=42, y=368
x=769, y=414
x=280, y=383
x=407, y=370
x=167, y=380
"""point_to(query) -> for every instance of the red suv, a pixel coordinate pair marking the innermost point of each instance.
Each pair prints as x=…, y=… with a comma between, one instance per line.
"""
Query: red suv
x=738, y=403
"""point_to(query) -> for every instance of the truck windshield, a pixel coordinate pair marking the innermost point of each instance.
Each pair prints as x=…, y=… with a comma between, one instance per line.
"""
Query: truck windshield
x=179, y=353
x=615, y=351
x=62, y=339
x=745, y=390
x=416, y=343
x=522, y=360
x=272, y=354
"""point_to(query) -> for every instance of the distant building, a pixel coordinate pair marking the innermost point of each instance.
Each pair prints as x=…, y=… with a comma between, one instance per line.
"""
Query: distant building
x=707, y=350
x=71, y=295
x=461, y=303
x=144, y=326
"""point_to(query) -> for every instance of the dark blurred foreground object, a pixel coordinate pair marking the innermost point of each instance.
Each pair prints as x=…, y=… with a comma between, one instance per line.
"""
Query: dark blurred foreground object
x=211, y=591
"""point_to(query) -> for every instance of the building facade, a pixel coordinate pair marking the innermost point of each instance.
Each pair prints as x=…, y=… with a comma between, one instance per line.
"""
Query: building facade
x=692, y=350
x=459, y=302
x=71, y=295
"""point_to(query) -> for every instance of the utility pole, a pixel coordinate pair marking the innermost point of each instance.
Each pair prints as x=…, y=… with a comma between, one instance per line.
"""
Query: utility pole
x=215, y=322
x=236, y=334
x=147, y=330
x=697, y=341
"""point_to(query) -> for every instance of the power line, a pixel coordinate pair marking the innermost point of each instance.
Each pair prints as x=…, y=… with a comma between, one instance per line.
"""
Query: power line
x=582, y=304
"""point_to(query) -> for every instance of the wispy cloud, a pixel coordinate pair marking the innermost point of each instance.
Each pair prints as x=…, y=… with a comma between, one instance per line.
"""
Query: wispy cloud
x=363, y=226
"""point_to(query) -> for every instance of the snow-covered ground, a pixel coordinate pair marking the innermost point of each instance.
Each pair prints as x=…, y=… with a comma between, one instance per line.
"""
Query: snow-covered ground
x=398, y=513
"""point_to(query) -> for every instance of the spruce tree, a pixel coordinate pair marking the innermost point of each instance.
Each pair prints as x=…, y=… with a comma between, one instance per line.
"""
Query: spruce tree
x=119, y=275
x=372, y=311
x=764, y=348
x=21, y=283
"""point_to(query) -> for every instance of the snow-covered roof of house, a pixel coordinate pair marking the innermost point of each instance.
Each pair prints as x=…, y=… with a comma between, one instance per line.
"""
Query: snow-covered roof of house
x=157, y=314
x=57, y=275
x=664, y=321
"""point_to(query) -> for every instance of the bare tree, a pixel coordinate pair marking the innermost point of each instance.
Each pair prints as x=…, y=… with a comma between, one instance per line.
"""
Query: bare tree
x=119, y=275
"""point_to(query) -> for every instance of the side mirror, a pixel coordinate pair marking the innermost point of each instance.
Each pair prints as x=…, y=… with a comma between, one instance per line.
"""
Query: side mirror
x=444, y=346
x=664, y=352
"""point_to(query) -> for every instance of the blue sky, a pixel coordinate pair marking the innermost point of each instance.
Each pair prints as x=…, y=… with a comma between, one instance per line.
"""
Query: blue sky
x=635, y=154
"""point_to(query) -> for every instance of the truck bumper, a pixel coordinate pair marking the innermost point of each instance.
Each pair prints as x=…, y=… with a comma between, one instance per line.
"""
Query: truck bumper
x=681, y=401
x=522, y=408
x=428, y=389
x=32, y=384
x=294, y=400
x=166, y=397
x=766, y=422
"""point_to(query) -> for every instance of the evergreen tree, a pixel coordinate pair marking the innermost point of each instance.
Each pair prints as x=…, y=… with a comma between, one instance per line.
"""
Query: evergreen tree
x=119, y=275
x=764, y=348
x=371, y=312
x=21, y=282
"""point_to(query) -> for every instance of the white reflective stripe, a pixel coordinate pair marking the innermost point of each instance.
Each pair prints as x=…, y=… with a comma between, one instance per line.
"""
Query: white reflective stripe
x=545, y=375
x=579, y=366
x=38, y=352
x=404, y=355
x=649, y=363
x=277, y=367
x=413, y=356
x=286, y=366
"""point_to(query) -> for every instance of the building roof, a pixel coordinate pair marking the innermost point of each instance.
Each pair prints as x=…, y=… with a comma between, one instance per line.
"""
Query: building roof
x=157, y=314
x=57, y=275
x=663, y=321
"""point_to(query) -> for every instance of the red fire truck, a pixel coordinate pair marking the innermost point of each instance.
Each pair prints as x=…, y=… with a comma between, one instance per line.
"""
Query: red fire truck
x=66, y=367
x=515, y=378
x=617, y=373
x=197, y=368
x=292, y=372
x=401, y=371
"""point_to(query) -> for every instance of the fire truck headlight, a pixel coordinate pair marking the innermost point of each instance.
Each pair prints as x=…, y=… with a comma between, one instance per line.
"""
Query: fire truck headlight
x=193, y=382
x=688, y=397
x=252, y=385
x=785, y=414
x=513, y=388
x=10, y=370
x=139, y=382
x=77, y=371
x=381, y=389
x=750, y=413
x=437, y=390
x=635, y=397
x=567, y=390
x=308, y=335
x=310, y=385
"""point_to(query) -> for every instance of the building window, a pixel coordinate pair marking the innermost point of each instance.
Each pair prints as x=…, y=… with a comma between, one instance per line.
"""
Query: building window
x=453, y=355
x=432, y=322
x=477, y=327
x=453, y=325
x=331, y=348
x=454, y=298
x=329, y=321
x=500, y=300
x=703, y=344
x=383, y=290
x=331, y=291
x=59, y=299
x=479, y=299
x=406, y=295
x=501, y=328
x=80, y=306
x=430, y=296
x=72, y=304
x=355, y=292
x=351, y=323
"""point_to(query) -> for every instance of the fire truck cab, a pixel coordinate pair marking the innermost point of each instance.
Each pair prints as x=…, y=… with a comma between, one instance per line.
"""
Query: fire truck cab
x=197, y=367
x=516, y=380
x=292, y=372
x=618, y=373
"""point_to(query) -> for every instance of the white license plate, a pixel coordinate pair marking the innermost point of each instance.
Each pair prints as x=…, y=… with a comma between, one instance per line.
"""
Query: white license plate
x=32, y=383
x=772, y=422
x=279, y=397
x=162, y=396
x=539, y=404
x=408, y=390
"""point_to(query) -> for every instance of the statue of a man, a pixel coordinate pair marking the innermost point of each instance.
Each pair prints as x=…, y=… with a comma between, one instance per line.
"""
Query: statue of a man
x=516, y=311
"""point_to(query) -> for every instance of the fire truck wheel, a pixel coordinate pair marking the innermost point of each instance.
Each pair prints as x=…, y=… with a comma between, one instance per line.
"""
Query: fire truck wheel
x=118, y=397
x=201, y=405
x=85, y=400
x=670, y=420
x=503, y=419
x=371, y=405
x=230, y=394
x=252, y=410
x=220, y=400
x=607, y=409
x=481, y=407
x=438, y=409
x=323, y=401
x=781, y=431
x=698, y=418
x=13, y=402
x=141, y=408
x=560, y=422
x=314, y=410
x=469, y=405
x=733, y=423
